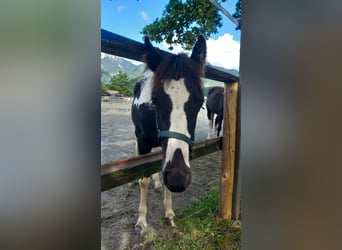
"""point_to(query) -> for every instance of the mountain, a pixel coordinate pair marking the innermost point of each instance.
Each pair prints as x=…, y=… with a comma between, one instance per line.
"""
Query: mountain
x=110, y=65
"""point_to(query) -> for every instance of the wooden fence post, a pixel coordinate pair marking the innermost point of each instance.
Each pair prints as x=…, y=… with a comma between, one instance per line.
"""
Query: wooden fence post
x=228, y=150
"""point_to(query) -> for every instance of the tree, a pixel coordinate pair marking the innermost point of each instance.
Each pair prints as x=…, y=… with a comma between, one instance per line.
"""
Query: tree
x=103, y=86
x=237, y=13
x=120, y=83
x=183, y=21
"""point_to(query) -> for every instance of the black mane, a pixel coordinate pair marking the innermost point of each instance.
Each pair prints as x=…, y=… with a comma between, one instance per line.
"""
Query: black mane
x=176, y=67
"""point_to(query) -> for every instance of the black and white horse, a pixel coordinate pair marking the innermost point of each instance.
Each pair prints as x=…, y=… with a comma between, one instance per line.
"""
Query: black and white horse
x=164, y=112
x=214, y=104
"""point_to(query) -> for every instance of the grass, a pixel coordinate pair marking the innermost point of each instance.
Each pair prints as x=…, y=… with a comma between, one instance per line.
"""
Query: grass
x=198, y=227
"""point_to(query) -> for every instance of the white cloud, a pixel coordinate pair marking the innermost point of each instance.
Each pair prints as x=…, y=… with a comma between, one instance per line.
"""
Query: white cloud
x=176, y=48
x=144, y=15
x=121, y=8
x=223, y=52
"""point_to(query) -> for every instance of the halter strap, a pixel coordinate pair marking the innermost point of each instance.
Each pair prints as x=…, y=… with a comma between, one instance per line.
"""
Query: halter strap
x=179, y=136
x=172, y=134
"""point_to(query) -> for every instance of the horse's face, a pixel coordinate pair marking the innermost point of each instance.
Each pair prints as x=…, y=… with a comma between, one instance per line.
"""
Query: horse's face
x=178, y=97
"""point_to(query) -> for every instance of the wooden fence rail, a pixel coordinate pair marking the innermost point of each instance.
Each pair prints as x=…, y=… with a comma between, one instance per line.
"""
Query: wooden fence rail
x=126, y=170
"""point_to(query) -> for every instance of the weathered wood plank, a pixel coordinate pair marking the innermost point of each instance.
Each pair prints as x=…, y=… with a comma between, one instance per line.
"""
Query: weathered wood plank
x=219, y=75
x=114, y=44
x=237, y=175
x=228, y=150
x=126, y=170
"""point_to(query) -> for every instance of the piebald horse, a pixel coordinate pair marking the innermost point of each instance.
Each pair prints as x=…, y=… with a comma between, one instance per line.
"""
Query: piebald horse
x=165, y=106
x=214, y=105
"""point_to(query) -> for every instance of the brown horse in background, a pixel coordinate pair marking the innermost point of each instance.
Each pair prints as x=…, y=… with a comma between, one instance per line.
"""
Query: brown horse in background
x=214, y=104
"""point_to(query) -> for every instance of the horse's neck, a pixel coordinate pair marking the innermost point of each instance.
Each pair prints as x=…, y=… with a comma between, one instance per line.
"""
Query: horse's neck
x=145, y=89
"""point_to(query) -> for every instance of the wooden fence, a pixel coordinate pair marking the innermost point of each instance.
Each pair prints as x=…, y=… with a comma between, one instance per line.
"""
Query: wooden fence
x=123, y=171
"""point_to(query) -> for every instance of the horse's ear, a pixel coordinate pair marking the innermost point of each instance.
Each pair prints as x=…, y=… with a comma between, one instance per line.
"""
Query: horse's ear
x=199, y=52
x=151, y=56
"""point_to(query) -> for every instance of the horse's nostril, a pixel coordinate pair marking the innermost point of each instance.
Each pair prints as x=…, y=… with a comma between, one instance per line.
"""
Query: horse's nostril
x=176, y=189
x=177, y=178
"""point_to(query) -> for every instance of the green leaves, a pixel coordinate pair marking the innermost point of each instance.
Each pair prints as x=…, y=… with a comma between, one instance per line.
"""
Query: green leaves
x=183, y=21
x=120, y=83
x=237, y=13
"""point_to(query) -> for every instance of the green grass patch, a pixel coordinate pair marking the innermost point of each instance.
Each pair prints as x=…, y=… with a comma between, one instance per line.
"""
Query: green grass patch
x=197, y=227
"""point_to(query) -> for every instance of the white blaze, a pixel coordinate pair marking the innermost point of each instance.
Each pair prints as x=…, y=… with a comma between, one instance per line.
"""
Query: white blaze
x=179, y=95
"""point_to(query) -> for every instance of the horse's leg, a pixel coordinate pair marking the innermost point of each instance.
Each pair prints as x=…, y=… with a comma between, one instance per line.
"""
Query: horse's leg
x=213, y=125
x=131, y=184
x=211, y=118
x=144, y=183
x=216, y=129
x=142, y=223
x=219, y=124
x=168, y=207
x=220, y=116
x=158, y=187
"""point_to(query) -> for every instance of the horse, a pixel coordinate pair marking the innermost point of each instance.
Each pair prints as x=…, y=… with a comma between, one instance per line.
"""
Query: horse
x=164, y=111
x=214, y=105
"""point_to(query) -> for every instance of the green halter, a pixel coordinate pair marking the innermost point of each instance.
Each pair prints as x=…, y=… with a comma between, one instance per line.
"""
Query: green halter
x=179, y=136
x=172, y=134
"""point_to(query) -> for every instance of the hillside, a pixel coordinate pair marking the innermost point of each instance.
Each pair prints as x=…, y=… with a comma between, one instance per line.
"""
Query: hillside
x=110, y=65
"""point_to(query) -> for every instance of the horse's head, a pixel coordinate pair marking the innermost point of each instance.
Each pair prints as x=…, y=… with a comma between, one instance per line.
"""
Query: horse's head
x=178, y=96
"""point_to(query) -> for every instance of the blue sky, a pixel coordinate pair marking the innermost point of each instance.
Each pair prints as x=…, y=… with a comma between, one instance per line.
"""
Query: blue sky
x=128, y=17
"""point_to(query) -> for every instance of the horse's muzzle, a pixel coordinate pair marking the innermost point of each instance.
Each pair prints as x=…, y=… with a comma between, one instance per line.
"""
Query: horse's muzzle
x=176, y=174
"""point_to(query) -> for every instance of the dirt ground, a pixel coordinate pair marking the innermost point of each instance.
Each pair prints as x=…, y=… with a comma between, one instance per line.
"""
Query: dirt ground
x=119, y=205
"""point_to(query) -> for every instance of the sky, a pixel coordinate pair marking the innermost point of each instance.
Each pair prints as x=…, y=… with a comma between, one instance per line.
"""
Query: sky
x=128, y=18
